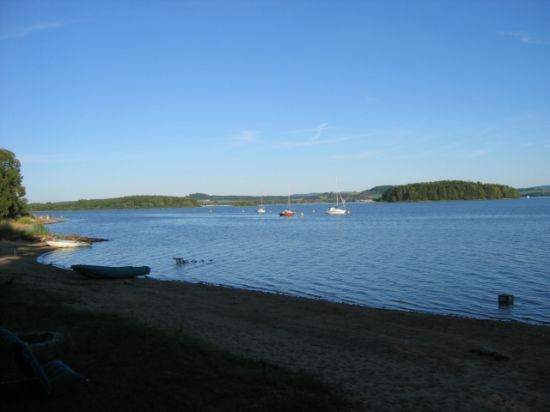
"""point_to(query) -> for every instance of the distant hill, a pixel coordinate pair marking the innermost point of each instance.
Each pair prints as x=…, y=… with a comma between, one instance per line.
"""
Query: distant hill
x=127, y=202
x=535, y=191
x=379, y=189
x=448, y=190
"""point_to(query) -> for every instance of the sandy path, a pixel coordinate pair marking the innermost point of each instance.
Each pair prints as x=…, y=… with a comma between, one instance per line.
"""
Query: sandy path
x=389, y=360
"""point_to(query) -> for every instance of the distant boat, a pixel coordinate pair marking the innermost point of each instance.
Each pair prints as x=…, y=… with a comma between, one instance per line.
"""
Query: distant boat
x=337, y=210
x=287, y=212
x=66, y=243
x=111, y=272
x=261, y=208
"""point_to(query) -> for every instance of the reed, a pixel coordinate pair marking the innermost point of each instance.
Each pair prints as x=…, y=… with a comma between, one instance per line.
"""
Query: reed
x=23, y=229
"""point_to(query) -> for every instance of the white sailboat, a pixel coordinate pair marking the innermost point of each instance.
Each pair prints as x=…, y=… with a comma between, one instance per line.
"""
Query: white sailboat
x=337, y=210
x=261, y=208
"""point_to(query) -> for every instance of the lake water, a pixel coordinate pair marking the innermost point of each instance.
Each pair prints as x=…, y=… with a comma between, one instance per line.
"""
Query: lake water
x=439, y=257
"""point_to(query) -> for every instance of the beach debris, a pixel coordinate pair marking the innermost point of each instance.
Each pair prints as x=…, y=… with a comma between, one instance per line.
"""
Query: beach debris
x=7, y=282
x=505, y=299
x=42, y=342
x=490, y=353
x=53, y=378
x=181, y=261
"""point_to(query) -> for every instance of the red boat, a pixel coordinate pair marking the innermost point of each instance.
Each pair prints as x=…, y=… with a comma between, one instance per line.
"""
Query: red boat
x=287, y=212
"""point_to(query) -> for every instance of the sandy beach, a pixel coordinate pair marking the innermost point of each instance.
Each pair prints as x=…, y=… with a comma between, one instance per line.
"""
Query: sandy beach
x=386, y=360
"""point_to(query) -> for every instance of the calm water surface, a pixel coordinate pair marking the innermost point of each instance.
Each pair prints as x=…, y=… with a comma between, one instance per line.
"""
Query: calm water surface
x=440, y=257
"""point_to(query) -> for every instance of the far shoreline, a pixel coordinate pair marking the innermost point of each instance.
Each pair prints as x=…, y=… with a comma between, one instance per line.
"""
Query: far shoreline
x=293, y=203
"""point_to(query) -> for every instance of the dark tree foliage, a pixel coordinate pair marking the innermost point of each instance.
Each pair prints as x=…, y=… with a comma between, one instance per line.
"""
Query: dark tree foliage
x=448, y=190
x=127, y=202
x=12, y=191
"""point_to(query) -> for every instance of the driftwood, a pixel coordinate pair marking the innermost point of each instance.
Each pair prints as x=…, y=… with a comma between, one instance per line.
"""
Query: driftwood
x=52, y=378
x=7, y=282
x=490, y=353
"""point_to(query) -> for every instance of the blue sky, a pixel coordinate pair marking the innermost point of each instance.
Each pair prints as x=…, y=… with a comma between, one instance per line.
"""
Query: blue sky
x=112, y=98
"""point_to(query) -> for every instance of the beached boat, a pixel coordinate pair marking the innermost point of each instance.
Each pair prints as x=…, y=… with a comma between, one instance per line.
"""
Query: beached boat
x=111, y=272
x=287, y=212
x=337, y=210
x=66, y=243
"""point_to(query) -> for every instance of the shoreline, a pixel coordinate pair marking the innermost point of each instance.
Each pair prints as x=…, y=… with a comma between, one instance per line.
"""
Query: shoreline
x=307, y=298
x=383, y=358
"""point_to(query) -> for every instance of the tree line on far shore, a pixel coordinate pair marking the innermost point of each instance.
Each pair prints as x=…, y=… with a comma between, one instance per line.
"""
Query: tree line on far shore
x=126, y=202
x=448, y=190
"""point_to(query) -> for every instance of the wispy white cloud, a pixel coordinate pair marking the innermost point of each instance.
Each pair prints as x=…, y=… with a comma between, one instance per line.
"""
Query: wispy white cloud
x=245, y=137
x=354, y=156
x=315, y=140
x=305, y=130
x=248, y=136
x=477, y=153
x=309, y=142
x=320, y=130
x=65, y=158
x=25, y=31
x=524, y=37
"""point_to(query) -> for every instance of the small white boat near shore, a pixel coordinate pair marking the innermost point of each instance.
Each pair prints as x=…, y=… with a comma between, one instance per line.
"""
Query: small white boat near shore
x=66, y=243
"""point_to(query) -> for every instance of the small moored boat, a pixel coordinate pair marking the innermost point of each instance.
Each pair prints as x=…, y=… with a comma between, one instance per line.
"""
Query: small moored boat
x=337, y=210
x=288, y=212
x=261, y=208
x=66, y=243
x=111, y=272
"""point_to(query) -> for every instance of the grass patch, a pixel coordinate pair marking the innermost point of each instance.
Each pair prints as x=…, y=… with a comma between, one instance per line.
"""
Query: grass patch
x=23, y=229
x=134, y=367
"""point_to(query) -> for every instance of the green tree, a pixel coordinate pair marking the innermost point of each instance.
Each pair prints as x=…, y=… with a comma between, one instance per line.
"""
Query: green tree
x=448, y=190
x=12, y=191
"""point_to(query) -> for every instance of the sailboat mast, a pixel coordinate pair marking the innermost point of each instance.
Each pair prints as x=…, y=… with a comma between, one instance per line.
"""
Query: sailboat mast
x=336, y=192
x=288, y=191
